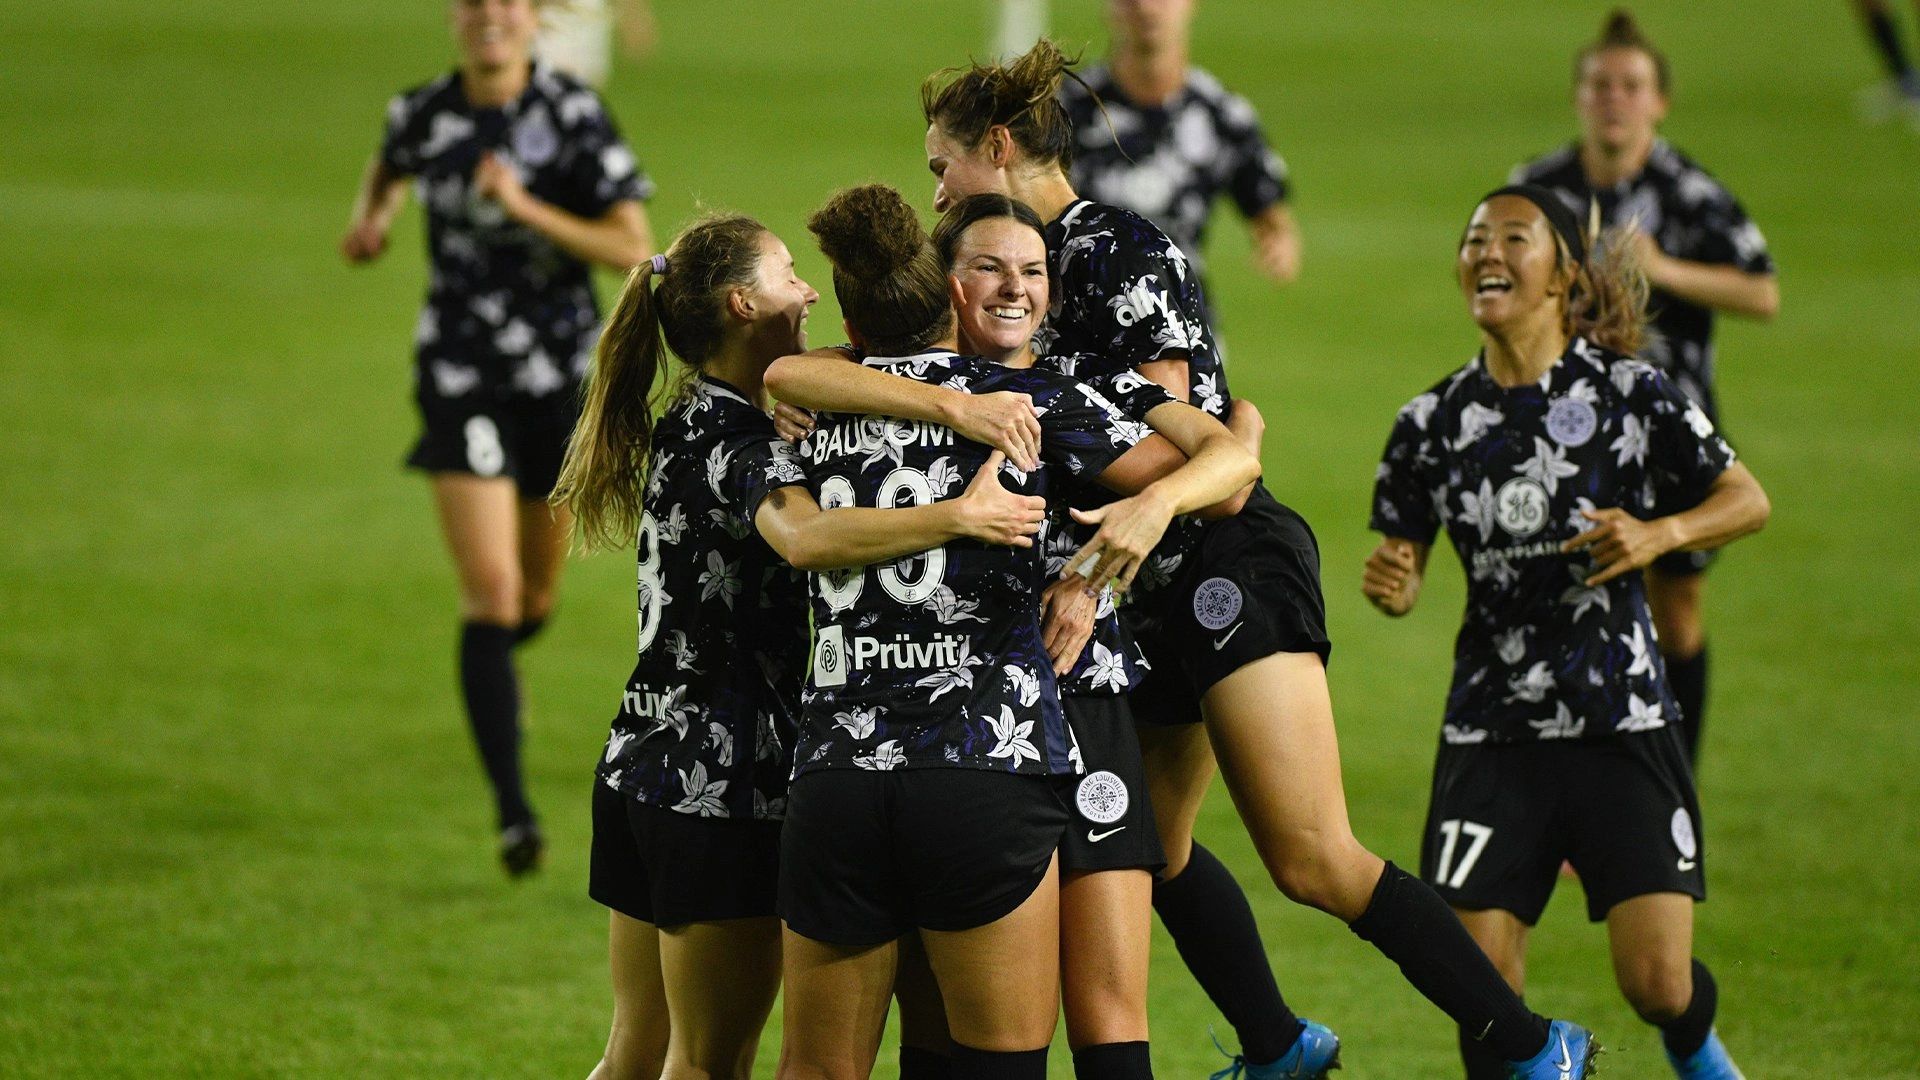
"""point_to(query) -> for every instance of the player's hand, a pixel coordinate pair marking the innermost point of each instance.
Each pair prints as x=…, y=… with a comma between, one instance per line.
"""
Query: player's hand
x=1619, y=543
x=791, y=422
x=639, y=30
x=1392, y=577
x=493, y=178
x=1067, y=612
x=1646, y=251
x=991, y=513
x=1276, y=253
x=1005, y=421
x=365, y=241
x=1129, y=529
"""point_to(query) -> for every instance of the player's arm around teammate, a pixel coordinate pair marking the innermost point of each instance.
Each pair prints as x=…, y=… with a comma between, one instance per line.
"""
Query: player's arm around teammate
x=693, y=782
x=525, y=181
x=1552, y=460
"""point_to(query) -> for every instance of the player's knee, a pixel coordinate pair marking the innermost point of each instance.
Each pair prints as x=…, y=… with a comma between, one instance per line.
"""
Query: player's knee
x=1320, y=871
x=536, y=602
x=1658, y=992
x=492, y=594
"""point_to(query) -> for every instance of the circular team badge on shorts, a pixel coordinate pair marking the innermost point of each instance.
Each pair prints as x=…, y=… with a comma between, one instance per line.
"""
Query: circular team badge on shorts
x=1683, y=837
x=1216, y=603
x=1102, y=798
x=1571, y=422
x=1520, y=507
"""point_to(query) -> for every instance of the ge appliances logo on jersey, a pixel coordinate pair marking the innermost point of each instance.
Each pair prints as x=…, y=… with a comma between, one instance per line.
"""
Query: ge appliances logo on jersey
x=834, y=655
x=1521, y=507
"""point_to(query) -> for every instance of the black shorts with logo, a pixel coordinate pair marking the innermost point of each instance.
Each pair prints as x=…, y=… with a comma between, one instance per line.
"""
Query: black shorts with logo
x=669, y=869
x=869, y=855
x=1113, y=826
x=486, y=434
x=1250, y=590
x=1503, y=818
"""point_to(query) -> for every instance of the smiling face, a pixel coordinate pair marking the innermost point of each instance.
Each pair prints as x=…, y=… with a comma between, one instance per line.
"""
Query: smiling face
x=999, y=280
x=1619, y=99
x=494, y=34
x=780, y=303
x=1509, y=265
x=959, y=171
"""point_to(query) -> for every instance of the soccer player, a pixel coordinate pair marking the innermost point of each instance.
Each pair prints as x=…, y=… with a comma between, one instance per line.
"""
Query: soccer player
x=526, y=183
x=1901, y=92
x=929, y=771
x=1561, y=468
x=1700, y=253
x=994, y=250
x=1164, y=139
x=693, y=781
x=577, y=36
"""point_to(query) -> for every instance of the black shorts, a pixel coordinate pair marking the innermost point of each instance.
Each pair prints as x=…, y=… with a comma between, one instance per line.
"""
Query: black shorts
x=868, y=856
x=1622, y=810
x=1113, y=826
x=1250, y=590
x=523, y=439
x=669, y=869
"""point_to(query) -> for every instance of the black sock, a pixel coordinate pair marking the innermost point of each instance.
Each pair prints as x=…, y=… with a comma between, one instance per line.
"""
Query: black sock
x=921, y=1064
x=1112, y=1061
x=971, y=1064
x=1687, y=1033
x=1409, y=923
x=1886, y=39
x=528, y=630
x=1481, y=1060
x=493, y=710
x=1688, y=679
x=1206, y=914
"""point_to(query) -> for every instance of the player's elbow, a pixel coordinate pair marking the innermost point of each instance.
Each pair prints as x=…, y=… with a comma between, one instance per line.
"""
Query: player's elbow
x=1228, y=506
x=1766, y=299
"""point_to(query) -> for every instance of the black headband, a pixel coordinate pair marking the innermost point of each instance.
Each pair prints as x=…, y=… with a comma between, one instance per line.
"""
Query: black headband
x=1558, y=215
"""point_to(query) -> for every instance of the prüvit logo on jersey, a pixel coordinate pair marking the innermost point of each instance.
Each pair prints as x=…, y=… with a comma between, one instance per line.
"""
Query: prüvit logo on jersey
x=834, y=656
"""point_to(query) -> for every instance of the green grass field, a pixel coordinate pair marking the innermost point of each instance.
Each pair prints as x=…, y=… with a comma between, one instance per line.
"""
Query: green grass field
x=242, y=832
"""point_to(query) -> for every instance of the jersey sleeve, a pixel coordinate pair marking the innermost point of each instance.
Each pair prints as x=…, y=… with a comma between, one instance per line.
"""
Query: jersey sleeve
x=1258, y=177
x=759, y=466
x=1403, y=487
x=1080, y=429
x=1723, y=234
x=1685, y=455
x=601, y=167
x=1132, y=393
x=399, y=149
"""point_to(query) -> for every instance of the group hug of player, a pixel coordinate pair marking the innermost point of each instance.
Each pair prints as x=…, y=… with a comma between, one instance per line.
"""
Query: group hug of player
x=893, y=736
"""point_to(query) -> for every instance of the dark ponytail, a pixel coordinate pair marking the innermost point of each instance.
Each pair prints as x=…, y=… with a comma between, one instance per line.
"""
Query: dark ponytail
x=603, y=477
x=1022, y=94
x=891, y=284
x=1620, y=31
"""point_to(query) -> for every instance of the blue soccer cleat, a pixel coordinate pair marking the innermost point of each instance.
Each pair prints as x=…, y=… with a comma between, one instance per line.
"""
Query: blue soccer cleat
x=1313, y=1055
x=1710, y=1062
x=1568, y=1055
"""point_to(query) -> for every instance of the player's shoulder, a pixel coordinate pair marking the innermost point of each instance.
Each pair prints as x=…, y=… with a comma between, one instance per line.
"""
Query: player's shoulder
x=572, y=101
x=1094, y=80
x=1556, y=168
x=1690, y=180
x=1101, y=228
x=1448, y=394
x=1232, y=109
x=423, y=98
x=1617, y=373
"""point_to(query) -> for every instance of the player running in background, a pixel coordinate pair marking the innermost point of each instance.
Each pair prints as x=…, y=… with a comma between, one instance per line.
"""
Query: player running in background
x=994, y=250
x=693, y=781
x=577, y=36
x=1900, y=94
x=933, y=751
x=1163, y=138
x=1560, y=469
x=526, y=183
x=1700, y=254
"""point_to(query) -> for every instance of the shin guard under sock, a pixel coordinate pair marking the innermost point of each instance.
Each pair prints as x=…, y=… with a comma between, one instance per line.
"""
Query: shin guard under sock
x=1687, y=1033
x=921, y=1064
x=971, y=1064
x=1409, y=923
x=492, y=694
x=1113, y=1061
x=1206, y=913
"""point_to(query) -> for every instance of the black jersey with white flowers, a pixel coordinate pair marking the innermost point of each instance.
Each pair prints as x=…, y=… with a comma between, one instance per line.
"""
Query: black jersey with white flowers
x=1124, y=296
x=1170, y=161
x=707, y=721
x=936, y=660
x=1508, y=471
x=1692, y=217
x=509, y=313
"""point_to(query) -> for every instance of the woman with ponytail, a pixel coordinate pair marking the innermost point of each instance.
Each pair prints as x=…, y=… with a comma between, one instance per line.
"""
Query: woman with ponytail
x=692, y=784
x=1561, y=468
x=1701, y=256
x=934, y=754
